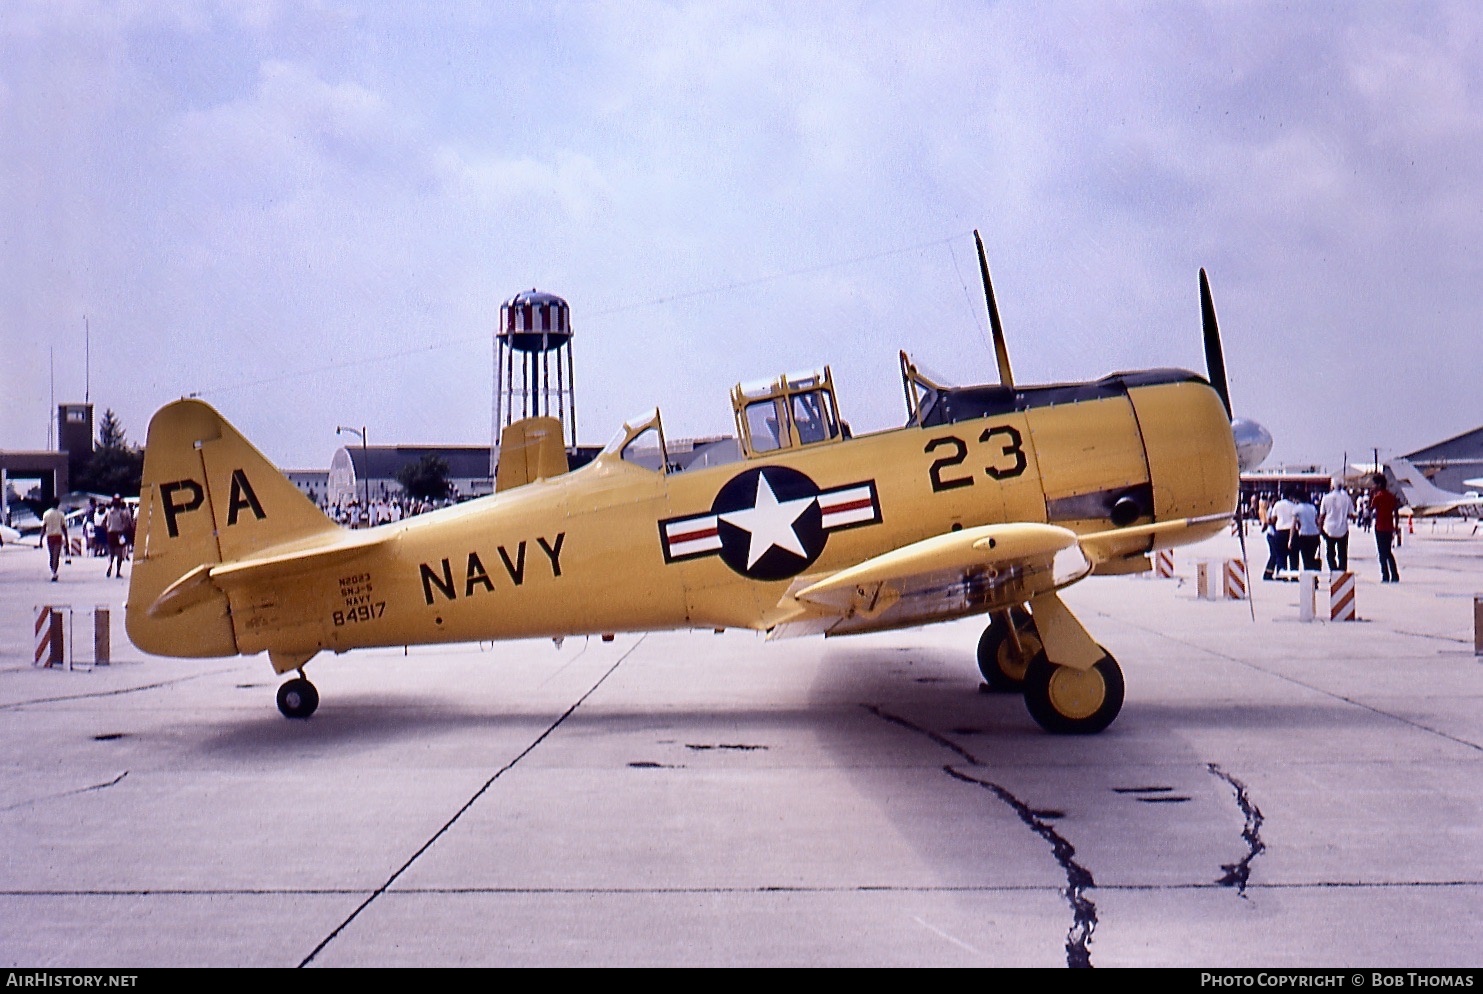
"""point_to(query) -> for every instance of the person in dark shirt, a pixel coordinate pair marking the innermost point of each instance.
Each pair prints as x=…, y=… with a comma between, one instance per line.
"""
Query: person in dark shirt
x=1387, y=525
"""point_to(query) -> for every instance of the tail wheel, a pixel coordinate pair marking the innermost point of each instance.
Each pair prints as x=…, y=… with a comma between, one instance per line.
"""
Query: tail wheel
x=1001, y=667
x=297, y=698
x=1066, y=701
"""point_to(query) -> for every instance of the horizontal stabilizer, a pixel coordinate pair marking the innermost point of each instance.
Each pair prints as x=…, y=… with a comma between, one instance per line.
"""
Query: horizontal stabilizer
x=204, y=581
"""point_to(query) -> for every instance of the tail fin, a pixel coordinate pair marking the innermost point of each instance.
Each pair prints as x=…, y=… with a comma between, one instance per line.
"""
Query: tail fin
x=1415, y=487
x=530, y=449
x=207, y=497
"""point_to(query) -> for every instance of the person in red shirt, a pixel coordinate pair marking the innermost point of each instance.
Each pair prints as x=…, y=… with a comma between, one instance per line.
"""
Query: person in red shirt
x=1387, y=524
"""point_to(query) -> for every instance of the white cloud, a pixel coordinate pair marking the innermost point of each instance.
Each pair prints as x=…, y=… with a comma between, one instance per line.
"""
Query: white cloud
x=572, y=181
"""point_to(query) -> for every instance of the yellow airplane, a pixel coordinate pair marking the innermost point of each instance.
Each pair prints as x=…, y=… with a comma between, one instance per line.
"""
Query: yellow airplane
x=989, y=500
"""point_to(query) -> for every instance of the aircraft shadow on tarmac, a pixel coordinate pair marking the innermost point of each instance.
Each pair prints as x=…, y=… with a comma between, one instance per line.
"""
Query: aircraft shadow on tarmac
x=937, y=688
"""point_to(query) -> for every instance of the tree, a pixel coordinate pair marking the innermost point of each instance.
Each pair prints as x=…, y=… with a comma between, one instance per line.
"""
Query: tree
x=116, y=466
x=111, y=434
x=425, y=479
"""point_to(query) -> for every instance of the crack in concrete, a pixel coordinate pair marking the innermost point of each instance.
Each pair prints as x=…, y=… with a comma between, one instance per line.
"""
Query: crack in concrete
x=1237, y=874
x=116, y=692
x=1306, y=886
x=725, y=746
x=1078, y=878
x=66, y=793
x=534, y=744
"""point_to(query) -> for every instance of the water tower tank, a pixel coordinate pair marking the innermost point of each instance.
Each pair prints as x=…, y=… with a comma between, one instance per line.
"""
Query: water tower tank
x=533, y=362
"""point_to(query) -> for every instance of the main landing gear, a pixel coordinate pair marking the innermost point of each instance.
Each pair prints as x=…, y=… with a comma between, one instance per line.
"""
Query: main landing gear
x=1005, y=650
x=1068, y=701
x=298, y=698
x=1063, y=700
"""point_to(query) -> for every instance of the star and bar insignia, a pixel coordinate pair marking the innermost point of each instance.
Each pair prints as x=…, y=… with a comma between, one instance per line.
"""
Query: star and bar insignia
x=770, y=523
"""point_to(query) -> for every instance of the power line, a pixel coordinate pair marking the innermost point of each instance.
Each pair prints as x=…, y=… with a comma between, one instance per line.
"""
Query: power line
x=621, y=308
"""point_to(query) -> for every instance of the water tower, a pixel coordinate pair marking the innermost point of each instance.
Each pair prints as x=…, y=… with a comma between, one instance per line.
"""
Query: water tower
x=534, y=334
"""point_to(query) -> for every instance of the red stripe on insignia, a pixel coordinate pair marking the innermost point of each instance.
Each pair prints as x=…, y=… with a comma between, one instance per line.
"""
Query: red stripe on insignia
x=710, y=532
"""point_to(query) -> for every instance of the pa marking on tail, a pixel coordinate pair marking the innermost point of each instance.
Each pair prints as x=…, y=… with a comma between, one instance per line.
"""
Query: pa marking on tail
x=241, y=498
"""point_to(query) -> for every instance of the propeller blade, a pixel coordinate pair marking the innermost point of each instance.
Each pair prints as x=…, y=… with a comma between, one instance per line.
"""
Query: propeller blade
x=1246, y=564
x=1001, y=351
x=1215, y=362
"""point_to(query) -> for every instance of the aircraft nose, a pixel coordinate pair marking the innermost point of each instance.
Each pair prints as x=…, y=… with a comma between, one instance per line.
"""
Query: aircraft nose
x=1253, y=443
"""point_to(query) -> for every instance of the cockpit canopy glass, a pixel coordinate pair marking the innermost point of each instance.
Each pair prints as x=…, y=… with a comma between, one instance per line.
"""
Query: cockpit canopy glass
x=793, y=410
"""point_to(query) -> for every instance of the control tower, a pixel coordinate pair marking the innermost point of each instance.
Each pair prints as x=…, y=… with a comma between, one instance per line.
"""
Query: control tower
x=534, y=335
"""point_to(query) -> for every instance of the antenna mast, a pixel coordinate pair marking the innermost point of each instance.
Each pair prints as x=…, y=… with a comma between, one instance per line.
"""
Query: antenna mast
x=51, y=427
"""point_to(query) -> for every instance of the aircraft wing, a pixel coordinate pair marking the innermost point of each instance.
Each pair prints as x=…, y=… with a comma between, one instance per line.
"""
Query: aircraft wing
x=207, y=579
x=992, y=567
x=1463, y=504
x=946, y=576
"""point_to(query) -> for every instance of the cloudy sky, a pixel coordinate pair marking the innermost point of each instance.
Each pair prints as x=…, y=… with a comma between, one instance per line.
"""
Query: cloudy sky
x=309, y=213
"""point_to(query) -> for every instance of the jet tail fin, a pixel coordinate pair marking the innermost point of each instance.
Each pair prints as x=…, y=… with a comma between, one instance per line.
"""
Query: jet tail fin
x=1416, y=488
x=208, y=496
x=530, y=449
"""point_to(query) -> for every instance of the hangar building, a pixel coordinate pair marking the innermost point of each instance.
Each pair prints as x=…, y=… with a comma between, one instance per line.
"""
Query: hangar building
x=1451, y=462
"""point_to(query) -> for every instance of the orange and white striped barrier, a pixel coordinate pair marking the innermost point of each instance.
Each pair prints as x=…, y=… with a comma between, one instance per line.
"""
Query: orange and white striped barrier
x=1341, y=597
x=1163, y=562
x=1235, y=580
x=49, y=641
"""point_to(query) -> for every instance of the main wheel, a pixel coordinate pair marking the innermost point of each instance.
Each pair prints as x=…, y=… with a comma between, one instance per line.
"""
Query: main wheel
x=1067, y=701
x=297, y=698
x=1002, y=669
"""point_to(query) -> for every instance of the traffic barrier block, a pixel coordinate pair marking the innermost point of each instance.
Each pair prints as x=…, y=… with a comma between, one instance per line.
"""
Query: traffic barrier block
x=1478, y=624
x=1307, y=595
x=1163, y=562
x=50, y=641
x=1208, y=585
x=102, y=635
x=1235, y=580
x=1341, y=597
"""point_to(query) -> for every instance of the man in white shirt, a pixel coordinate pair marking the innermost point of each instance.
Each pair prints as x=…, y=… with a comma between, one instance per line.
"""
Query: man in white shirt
x=54, y=527
x=1334, y=513
x=1280, y=552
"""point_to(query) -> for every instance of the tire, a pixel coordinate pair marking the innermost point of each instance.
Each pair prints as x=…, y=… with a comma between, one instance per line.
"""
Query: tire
x=1064, y=701
x=996, y=657
x=298, y=698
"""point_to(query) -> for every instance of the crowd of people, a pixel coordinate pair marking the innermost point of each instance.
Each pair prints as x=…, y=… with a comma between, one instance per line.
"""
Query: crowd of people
x=107, y=530
x=353, y=513
x=1295, y=526
x=108, y=527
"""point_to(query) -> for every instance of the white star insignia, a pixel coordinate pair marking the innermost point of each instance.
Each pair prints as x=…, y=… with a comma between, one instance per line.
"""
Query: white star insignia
x=770, y=522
